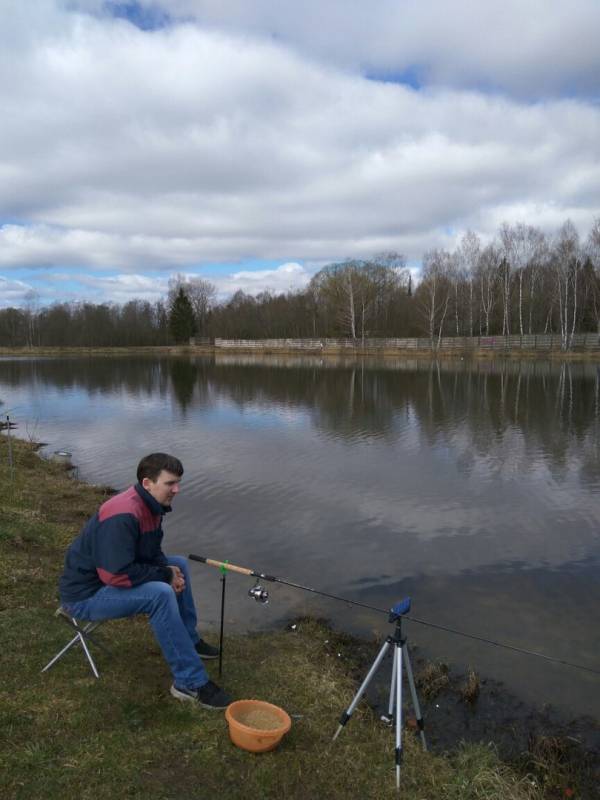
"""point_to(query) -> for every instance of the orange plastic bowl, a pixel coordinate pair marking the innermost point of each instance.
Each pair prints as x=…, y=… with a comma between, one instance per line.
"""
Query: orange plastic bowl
x=256, y=739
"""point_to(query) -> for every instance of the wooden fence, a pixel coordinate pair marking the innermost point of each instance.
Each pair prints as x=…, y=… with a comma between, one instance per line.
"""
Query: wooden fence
x=547, y=342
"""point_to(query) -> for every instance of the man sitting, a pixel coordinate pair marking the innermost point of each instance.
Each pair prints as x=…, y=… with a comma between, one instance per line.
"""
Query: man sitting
x=116, y=568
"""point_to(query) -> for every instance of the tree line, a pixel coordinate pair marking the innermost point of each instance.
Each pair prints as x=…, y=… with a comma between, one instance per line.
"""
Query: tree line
x=523, y=282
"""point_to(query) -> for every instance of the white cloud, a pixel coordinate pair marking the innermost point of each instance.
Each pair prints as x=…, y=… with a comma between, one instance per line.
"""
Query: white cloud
x=42, y=246
x=14, y=292
x=124, y=287
x=139, y=153
x=537, y=48
x=113, y=288
x=285, y=278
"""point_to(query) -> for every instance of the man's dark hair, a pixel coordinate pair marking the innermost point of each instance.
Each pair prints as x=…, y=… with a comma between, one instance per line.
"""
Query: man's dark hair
x=151, y=466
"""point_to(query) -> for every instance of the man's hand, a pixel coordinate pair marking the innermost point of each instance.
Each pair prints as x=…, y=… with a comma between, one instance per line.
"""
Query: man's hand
x=177, y=581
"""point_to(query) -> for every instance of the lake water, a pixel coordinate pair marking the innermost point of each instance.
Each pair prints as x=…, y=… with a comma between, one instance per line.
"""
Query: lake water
x=473, y=487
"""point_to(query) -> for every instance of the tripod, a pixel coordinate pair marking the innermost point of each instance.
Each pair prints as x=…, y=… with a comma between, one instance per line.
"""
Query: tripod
x=395, y=701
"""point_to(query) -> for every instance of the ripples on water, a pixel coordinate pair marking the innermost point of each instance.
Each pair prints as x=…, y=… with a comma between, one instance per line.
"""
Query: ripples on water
x=472, y=486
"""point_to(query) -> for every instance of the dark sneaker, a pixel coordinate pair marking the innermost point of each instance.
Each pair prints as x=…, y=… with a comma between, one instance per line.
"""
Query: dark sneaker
x=208, y=696
x=206, y=650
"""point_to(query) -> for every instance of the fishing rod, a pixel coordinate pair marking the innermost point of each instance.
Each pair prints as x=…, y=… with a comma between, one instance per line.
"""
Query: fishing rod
x=261, y=595
x=225, y=565
x=258, y=593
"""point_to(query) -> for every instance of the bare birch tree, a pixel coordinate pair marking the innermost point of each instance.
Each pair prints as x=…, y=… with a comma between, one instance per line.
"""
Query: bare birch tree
x=537, y=260
x=567, y=260
x=434, y=292
x=488, y=277
x=592, y=251
x=31, y=310
x=505, y=273
x=518, y=244
x=468, y=254
x=457, y=277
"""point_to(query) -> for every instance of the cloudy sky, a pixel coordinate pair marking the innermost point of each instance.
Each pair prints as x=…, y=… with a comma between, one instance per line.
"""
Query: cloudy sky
x=252, y=141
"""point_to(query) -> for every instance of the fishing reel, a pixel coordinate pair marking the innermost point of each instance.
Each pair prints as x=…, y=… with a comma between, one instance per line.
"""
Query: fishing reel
x=258, y=593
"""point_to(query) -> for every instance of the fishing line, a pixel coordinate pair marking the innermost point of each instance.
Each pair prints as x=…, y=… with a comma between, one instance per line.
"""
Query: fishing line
x=502, y=645
x=260, y=595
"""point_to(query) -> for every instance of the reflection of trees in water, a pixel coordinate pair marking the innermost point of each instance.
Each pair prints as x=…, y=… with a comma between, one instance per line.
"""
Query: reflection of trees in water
x=144, y=376
x=191, y=381
x=183, y=379
x=508, y=410
x=488, y=407
x=349, y=401
x=363, y=404
x=475, y=408
x=139, y=376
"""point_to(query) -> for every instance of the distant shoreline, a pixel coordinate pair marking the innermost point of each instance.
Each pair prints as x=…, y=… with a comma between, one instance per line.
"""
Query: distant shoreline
x=475, y=354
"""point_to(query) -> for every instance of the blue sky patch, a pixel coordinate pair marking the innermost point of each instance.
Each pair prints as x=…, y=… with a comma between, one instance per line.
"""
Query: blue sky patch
x=145, y=18
x=412, y=76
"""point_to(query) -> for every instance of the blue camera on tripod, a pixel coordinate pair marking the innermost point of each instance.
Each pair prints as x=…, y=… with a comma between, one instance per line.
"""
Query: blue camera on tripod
x=399, y=610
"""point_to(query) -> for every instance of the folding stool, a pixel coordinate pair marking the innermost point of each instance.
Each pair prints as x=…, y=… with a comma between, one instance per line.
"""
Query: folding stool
x=83, y=631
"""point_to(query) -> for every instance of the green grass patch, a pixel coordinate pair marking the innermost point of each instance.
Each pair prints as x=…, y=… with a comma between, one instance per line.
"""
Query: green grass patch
x=65, y=734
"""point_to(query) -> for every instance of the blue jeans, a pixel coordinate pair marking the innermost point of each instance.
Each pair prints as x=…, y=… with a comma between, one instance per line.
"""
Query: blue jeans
x=172, y=616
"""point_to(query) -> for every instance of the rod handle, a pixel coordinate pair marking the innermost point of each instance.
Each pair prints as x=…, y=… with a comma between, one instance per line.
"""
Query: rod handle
x=221, y=564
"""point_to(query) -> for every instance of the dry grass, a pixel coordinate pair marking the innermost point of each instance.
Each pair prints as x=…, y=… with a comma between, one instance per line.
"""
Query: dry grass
x=469, y=691
x=432, y=679
x=560, y=770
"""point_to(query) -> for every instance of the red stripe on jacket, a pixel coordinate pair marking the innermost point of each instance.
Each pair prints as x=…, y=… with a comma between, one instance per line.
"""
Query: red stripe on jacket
x=129, y=502
x=113, y=580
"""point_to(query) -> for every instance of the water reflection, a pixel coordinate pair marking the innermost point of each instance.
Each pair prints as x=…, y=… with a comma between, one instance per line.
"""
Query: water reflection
x=472, y=485
x=353, y=400
x=185, y=376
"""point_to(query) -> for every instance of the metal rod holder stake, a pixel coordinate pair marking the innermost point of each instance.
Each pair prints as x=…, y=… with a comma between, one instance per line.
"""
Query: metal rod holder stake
x=223, y=579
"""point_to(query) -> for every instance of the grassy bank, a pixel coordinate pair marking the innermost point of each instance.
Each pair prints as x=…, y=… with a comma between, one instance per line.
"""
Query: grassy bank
x=165, y=350
x=65, y=735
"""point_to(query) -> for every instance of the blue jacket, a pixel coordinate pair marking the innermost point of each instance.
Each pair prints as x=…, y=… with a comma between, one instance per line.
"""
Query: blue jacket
x=119, y=546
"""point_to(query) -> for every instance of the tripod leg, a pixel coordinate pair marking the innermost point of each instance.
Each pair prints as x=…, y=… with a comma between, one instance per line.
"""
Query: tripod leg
x=348, y=713
x=399, y=648
x=390, y=714
x=415, y=699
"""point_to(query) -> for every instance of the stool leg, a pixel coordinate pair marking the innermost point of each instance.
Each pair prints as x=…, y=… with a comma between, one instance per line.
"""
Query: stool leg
x=89, y=655
x=73, y=641
x=91, y=626
x=79, y=637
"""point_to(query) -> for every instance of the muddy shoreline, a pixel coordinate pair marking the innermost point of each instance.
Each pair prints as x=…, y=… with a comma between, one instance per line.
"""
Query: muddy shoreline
x=459, y=706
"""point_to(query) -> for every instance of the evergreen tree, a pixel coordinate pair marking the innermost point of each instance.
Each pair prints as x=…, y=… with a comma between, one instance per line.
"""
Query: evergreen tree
x=181, y=318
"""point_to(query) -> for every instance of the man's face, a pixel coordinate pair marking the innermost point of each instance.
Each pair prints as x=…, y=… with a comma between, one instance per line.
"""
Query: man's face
x=164, y=488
